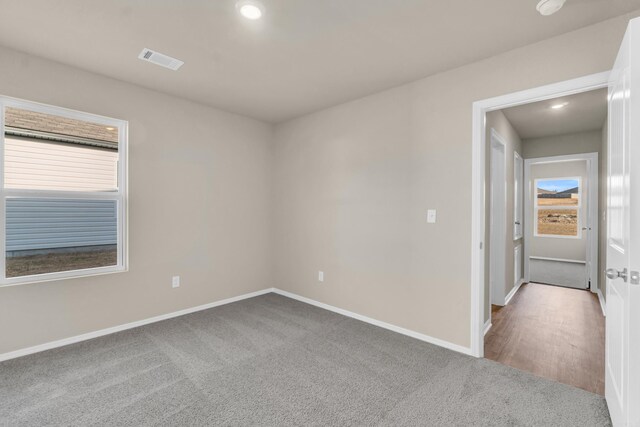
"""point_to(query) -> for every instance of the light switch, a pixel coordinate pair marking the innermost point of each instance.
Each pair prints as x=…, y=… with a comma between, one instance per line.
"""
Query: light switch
x=431, y=216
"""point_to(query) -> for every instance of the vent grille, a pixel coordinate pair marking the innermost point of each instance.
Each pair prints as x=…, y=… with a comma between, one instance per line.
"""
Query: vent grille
x=160, y=59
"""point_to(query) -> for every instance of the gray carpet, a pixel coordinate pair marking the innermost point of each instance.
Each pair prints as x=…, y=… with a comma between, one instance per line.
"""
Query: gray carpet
x=274, y=361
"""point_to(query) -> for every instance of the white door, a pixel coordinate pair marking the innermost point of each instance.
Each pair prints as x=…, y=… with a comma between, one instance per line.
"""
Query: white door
x=498, y=236
x=557, y=235
x=518, y=197
x=622, y=358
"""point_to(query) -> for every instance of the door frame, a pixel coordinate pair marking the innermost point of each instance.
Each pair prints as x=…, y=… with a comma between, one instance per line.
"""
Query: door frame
x=478, y=202
x=498, y=239
x=591, y=256
x=518, y=196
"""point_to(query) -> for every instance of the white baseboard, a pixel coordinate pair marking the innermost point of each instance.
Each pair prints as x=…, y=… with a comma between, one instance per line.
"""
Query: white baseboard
x=95, y=334
x=487, y=326
x=381, y=324
x=603, y=304
x=114, y=329
x=513, y=292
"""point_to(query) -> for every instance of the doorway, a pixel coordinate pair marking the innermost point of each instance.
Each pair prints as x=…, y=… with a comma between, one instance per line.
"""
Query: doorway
x=561, y=221
x=541, y=230
x=480, y=141
x=622, y=243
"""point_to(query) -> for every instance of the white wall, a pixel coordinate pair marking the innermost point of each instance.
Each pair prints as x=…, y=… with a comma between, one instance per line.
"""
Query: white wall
x=199, y=206
x=353, y=184
x=560, y=145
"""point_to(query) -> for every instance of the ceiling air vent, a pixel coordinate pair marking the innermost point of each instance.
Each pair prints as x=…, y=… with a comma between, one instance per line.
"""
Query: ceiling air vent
x=160, y=59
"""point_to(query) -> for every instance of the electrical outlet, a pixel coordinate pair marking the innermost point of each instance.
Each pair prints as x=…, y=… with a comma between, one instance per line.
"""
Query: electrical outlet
x=320, y=276
x=431, y=216
x=175, y=282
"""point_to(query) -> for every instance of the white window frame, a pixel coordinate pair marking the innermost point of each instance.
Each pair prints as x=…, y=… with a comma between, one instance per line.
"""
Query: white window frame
x=537, y=207
x=119, y=195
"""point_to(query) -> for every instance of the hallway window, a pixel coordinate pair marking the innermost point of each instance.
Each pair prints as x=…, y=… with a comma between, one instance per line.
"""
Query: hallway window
x=557, y=206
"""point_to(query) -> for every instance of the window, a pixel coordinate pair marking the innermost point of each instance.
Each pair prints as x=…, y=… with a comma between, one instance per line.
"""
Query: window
x=62, y=188
x=557, y=207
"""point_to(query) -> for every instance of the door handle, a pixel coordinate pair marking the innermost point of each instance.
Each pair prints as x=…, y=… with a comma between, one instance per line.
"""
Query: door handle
x=517, y=222
x=612, y=274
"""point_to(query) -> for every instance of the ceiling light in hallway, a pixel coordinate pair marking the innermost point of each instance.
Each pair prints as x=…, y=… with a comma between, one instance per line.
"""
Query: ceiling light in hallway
x=250, y=9
x=549, y=7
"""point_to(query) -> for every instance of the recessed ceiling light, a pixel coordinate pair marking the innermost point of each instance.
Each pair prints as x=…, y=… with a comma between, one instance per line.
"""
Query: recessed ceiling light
x=549, y=7
x=250, y=9
x=559, y=106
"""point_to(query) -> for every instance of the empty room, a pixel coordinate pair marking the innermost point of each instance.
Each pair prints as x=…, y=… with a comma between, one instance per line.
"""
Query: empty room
x=335, y=212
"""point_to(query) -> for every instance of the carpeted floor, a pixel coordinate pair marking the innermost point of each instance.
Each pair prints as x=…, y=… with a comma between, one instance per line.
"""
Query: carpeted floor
x=274, y=361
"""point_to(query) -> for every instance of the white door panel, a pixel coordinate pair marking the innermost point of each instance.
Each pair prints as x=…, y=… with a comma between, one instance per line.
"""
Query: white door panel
x=518, y=198
x=497, y=241
x=622, y=367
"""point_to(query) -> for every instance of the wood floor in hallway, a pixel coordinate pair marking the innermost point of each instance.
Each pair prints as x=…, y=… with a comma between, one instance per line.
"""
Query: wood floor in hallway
x=553, y=332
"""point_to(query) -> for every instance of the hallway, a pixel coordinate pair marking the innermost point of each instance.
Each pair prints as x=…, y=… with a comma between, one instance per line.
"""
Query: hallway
x=554, y=332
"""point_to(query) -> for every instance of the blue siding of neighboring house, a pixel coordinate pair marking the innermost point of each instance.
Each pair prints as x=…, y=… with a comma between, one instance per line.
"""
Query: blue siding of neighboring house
x=34, y=224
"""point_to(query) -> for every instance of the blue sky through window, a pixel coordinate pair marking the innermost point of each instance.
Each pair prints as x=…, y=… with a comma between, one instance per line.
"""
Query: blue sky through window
x=557, y=184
